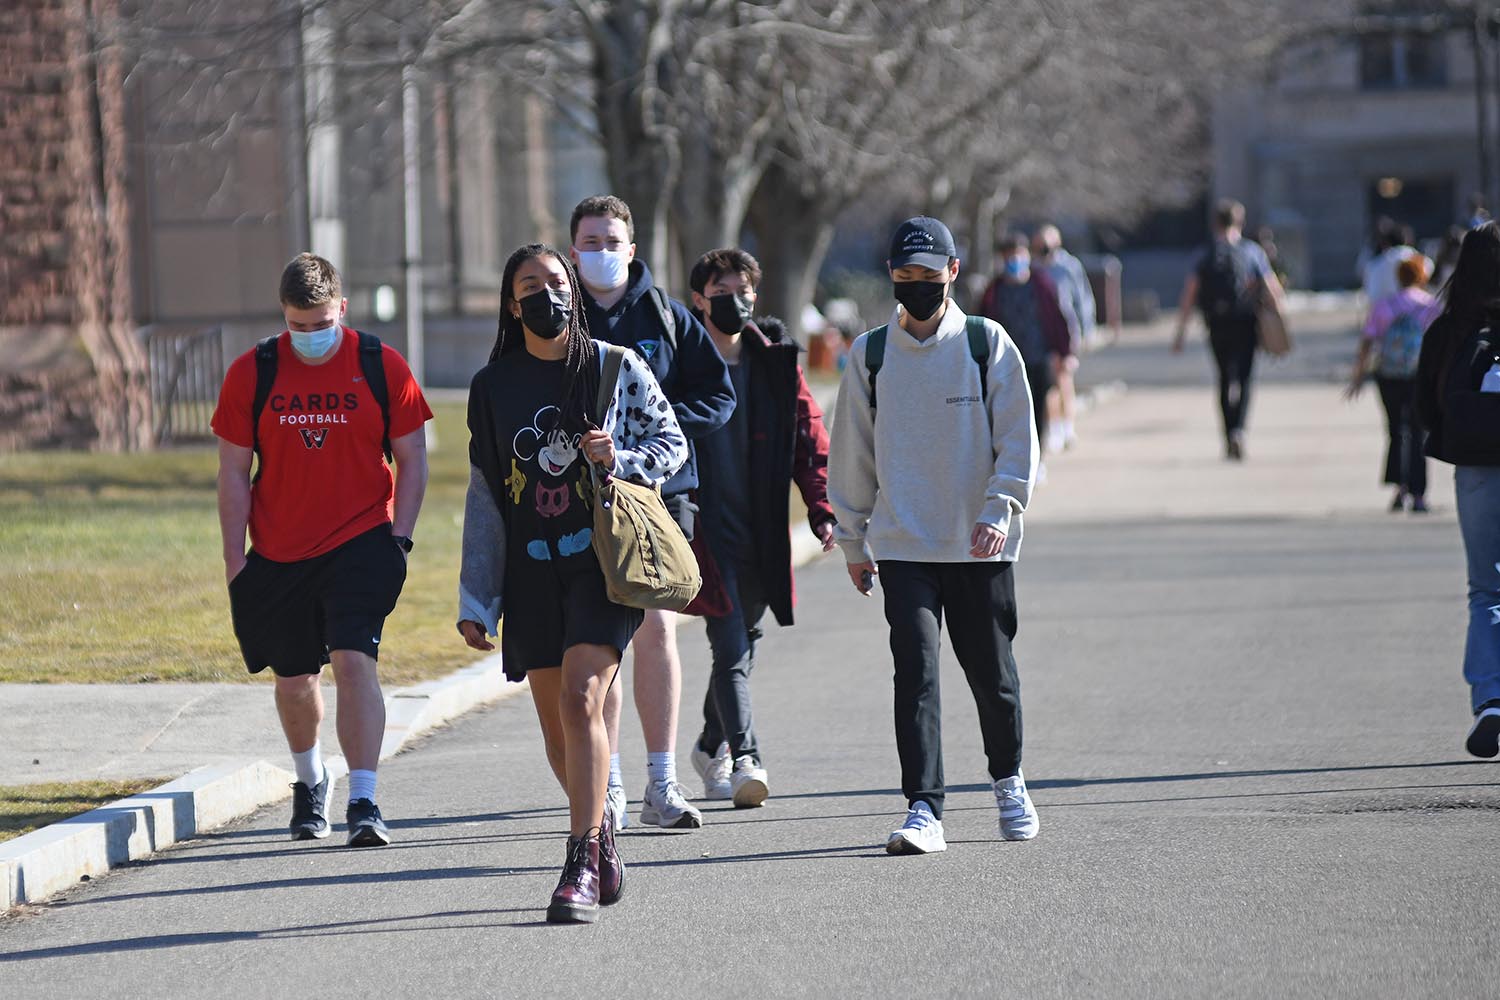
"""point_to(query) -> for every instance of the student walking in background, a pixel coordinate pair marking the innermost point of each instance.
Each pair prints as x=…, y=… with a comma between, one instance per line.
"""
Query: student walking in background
x=1393, y=338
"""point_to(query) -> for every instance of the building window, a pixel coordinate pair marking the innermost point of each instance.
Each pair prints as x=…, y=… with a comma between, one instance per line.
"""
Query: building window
x=1403, y=62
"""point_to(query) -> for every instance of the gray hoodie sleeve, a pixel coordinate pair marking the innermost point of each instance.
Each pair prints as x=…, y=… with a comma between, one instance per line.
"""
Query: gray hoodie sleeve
x=481, y=575
x=852, y=483
x=1013, y=423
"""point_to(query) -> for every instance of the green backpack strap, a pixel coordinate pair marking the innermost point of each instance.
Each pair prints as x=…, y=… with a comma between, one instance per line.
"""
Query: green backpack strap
x=874, y=358
x=609, y=375
x=979, y=350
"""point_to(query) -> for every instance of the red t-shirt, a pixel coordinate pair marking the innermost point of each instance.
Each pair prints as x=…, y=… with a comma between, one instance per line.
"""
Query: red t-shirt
x=324, y=479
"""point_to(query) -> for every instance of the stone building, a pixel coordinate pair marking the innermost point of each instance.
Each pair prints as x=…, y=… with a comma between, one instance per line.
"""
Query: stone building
x=1345, y=130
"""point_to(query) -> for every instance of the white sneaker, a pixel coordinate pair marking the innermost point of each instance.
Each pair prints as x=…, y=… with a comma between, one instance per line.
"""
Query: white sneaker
x=714, y=771
x=749, y=783
x=1018, y=820
x=614, y=801
x=922, y=833
x=1056, y=439
x=666, y=806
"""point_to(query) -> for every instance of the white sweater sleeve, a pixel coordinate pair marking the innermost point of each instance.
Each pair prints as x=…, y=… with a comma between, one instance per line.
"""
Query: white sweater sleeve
x=852, y=483
x=1014, y=438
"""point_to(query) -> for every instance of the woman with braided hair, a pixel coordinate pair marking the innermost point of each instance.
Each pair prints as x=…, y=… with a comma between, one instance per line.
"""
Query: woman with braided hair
x=528, y=527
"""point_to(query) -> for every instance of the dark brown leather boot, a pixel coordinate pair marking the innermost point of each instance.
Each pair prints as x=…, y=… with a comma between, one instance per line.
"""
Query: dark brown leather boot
x=611, y=868
x=576, y=898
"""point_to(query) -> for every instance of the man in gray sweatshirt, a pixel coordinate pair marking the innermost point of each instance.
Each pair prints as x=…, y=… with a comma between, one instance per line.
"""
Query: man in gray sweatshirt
x=933, y=460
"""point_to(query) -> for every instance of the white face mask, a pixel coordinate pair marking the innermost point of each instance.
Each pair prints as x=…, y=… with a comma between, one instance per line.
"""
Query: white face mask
x=315, y=343
x=605, y=270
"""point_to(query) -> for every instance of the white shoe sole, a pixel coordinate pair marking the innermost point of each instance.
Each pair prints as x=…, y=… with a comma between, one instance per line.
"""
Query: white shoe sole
x=685, y=821
x=898, y=844
x=751, y=793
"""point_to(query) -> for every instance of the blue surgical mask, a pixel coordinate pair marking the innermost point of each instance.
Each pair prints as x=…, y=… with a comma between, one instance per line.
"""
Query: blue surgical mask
x=1017, y=267
x=315, y=343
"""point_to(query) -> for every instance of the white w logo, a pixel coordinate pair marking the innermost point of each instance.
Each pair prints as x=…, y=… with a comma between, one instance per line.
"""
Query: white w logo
x=314, y=438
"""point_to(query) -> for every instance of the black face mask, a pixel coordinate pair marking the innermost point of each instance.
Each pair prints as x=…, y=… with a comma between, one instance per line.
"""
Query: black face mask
x=921, y=298
x=546, y=312
x=729, y=312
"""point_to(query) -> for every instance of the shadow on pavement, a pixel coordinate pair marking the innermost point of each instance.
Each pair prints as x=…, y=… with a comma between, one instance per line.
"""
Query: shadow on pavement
x=344, y=929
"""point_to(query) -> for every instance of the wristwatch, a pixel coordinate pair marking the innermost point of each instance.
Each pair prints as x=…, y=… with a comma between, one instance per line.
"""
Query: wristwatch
x=404, y=541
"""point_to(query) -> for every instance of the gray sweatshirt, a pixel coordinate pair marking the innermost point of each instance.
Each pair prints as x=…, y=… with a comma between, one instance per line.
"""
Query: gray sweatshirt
x=912, y=483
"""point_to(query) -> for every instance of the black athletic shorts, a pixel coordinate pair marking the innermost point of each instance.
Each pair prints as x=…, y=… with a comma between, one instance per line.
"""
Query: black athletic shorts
x=288, y=616
x=547, y=612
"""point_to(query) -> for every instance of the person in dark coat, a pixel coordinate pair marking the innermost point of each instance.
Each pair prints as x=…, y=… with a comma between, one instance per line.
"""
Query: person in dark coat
x=746, y=470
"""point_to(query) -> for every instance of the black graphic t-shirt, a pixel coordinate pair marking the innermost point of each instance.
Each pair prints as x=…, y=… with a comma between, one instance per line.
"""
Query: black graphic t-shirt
x=547, y=521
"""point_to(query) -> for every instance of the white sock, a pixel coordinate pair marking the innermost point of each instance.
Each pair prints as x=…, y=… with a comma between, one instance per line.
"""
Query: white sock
x=309, y=765
x=661, y=767
x=616, y=780
x=361, y=785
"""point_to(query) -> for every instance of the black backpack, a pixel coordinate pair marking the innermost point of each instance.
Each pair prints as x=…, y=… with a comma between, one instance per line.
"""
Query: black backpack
x=1471, y=419
x=1226, y=285
x=266, y=358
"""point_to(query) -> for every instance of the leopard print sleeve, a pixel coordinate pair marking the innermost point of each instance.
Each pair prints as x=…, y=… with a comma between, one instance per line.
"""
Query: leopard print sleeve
x=649, y=444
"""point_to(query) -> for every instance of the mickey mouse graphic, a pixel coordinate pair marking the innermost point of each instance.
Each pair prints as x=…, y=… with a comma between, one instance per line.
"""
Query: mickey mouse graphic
x=560, y=449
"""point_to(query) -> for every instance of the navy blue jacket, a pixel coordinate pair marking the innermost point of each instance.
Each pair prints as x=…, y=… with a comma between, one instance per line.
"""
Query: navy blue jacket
x=693, y=375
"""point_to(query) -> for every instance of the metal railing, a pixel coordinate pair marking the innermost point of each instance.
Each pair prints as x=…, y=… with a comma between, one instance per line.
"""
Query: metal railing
x=186, y=371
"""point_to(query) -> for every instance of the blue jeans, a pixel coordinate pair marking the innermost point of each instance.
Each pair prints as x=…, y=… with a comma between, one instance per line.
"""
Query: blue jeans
x=726, y=708
x=1478, y=488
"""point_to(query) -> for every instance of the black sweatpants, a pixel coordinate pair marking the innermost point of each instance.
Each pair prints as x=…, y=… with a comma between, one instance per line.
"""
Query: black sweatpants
x=980, y=602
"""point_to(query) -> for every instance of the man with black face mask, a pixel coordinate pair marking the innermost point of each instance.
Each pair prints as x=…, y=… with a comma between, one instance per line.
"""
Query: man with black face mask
x=933, y=461
x=745, y=469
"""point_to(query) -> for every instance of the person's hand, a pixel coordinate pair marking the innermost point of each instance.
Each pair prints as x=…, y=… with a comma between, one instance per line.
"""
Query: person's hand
x=986, y=541
x=824, y=532
x=599, y=448
x=1177, y=340
x=862, y=575
x=1352, y=390
x=233, y=565
x=473, y=634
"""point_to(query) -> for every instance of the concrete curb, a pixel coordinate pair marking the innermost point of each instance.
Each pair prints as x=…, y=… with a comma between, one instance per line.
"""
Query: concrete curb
x=55, y=857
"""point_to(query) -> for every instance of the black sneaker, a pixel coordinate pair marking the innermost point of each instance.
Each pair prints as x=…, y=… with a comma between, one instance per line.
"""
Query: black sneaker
x=310, y=809
x=1484, y=738
x=366, y=828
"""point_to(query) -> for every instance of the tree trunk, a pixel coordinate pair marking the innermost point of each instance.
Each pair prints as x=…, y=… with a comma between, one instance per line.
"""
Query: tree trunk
x=793, y=231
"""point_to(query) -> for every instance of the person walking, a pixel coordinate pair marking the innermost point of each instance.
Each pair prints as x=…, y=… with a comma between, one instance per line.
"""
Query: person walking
x=1394, y=336
x=747, y=467
x=623, y=306
x=1076, y=297
x=1024, y=301
x=1458, y=401
x=933, y=461
x=323, y=408
x=1226, y=285
x=528, y=528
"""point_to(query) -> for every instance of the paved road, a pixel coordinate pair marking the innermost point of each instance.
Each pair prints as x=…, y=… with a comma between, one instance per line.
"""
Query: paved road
x=1244, y=737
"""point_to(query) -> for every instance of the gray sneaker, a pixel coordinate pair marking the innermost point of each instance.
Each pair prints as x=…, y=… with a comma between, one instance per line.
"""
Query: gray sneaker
x=666, y=806
x=714, y=771
x=1018, y=820
x=749, y=782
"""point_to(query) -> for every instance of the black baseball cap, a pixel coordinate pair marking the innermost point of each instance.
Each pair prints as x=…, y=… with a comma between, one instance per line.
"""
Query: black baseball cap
x=924, y=242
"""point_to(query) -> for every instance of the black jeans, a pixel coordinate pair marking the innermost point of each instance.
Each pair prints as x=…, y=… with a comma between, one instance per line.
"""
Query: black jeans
x=1233, y=344
x=980, y=601
x=726, y=707
x=1039, y=378
x=1405, y=465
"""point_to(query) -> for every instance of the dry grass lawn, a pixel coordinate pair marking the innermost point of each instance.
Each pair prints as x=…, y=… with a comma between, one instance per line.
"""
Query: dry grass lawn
x=24, y=808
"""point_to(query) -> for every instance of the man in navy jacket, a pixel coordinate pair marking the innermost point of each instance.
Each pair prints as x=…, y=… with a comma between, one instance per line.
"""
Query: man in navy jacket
x=625, y=307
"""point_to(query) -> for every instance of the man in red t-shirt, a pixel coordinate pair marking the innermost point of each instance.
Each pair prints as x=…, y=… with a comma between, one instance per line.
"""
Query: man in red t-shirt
x=328, y=545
